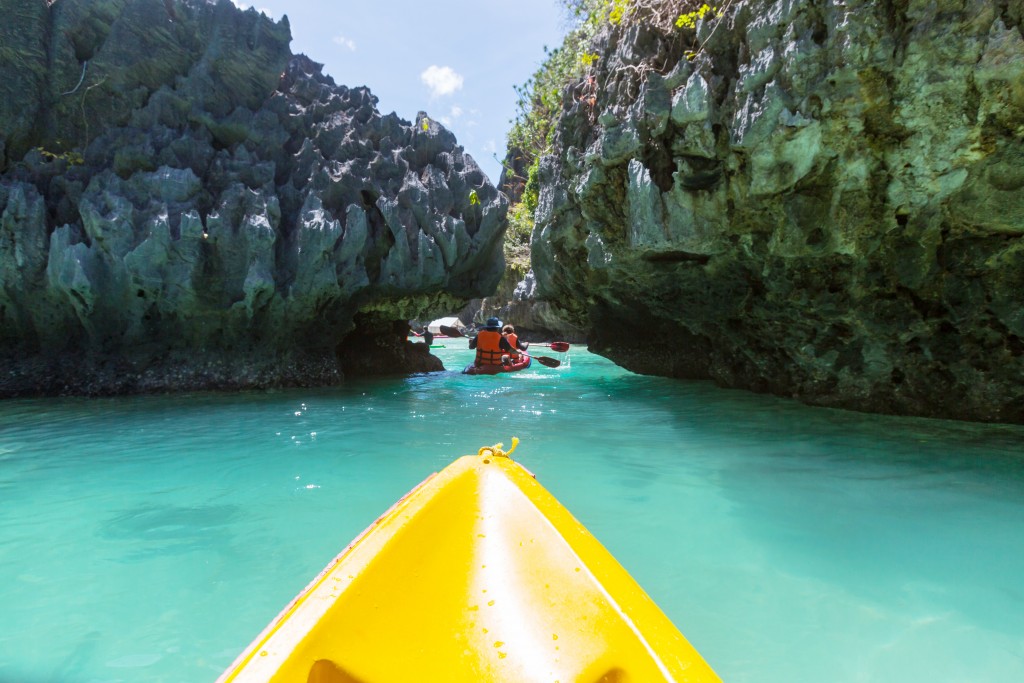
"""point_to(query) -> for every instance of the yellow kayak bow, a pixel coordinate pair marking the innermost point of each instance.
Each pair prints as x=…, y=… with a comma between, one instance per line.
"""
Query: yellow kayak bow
x=477, y=574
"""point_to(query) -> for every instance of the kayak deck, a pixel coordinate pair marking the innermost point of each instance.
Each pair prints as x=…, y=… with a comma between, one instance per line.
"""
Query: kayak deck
x=478, y=574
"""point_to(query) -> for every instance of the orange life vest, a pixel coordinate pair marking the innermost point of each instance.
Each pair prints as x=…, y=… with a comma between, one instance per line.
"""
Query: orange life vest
x=488, y=347
x=513, y=340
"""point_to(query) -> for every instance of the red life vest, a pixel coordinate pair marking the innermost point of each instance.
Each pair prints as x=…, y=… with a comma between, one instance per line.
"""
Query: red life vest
x=488, y=348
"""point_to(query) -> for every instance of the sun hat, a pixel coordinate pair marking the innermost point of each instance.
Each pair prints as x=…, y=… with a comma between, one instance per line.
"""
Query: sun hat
x=493, y=324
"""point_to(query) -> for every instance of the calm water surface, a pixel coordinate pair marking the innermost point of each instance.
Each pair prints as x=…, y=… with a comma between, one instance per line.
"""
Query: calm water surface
x=150, y=539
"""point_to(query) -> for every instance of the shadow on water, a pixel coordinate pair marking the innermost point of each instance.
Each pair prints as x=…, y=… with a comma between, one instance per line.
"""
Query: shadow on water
x=171, y=529
x=880, y=505
x=65, y=669
x=704, y=416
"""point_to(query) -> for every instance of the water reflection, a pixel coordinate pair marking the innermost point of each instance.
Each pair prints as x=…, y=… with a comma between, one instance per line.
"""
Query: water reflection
x=788, y=543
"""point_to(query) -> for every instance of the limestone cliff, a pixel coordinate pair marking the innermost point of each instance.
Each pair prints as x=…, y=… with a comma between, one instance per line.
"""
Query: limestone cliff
x=826, y=201
x=185, y=204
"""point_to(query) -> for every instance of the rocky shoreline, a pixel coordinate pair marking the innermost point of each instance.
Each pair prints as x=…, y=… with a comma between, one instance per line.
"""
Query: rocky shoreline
x=824, y=201
x=816, y=199
x=206, y=210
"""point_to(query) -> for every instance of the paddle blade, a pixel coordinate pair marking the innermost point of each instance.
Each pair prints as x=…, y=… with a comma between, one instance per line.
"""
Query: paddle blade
x=560, y=346
x=545, y=360
x=451, y=331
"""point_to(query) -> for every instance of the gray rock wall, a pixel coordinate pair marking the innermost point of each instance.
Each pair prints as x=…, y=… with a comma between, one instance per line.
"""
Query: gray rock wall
x=515, y=303
x=827, y=202
x=187, y=205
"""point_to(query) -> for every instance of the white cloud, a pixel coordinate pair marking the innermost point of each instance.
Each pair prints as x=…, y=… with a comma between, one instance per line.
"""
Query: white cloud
x=454, y=113
x=345, y=42
x=441, y=80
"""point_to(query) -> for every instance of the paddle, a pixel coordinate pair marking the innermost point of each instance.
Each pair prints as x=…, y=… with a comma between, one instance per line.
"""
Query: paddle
x=543, y=360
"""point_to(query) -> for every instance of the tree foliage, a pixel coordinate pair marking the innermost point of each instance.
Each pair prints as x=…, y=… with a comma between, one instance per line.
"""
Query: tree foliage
x=517, y=239
x=539, y=101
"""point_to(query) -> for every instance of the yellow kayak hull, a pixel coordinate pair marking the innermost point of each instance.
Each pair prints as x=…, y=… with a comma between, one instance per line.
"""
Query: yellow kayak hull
x=477, y=574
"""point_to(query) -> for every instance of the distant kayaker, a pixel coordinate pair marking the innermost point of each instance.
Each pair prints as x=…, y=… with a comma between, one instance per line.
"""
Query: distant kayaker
x=490, y=344
x=428, y=336
x=510, y=335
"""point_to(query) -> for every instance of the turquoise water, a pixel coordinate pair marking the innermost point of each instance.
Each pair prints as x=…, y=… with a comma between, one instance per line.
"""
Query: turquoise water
x=150, y=539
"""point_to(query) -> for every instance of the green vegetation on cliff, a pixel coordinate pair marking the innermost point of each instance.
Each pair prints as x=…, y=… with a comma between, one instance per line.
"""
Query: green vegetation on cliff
x=539, y=103
x=801, y=199
x=540, y=99
x=517, y=240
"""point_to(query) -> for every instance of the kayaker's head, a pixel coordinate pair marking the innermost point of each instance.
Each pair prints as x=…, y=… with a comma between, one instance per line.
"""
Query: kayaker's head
x=493, y=324
x=508, y=329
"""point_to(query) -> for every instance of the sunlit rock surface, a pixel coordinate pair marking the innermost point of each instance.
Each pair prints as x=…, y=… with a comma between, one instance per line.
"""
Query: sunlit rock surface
x=515, y=302
x=184, y=204
x=826, y=202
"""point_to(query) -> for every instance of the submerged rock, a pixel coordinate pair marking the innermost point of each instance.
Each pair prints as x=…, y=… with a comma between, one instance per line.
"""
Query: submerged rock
x=825, y=202
x=185, y=204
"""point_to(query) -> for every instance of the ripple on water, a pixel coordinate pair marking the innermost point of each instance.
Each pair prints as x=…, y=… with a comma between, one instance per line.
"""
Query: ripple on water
x=152, y=538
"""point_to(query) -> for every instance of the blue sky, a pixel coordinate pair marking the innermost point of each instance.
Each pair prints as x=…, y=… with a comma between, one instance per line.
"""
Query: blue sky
x=457, y=60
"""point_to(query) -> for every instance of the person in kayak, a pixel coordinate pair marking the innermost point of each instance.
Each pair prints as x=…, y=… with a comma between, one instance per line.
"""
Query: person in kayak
x=490, y=344
x=512, y=338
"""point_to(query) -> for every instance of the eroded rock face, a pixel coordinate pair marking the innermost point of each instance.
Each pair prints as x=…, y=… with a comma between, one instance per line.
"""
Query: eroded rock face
x=534, y=320
x=233, y=211
x=826, y=203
